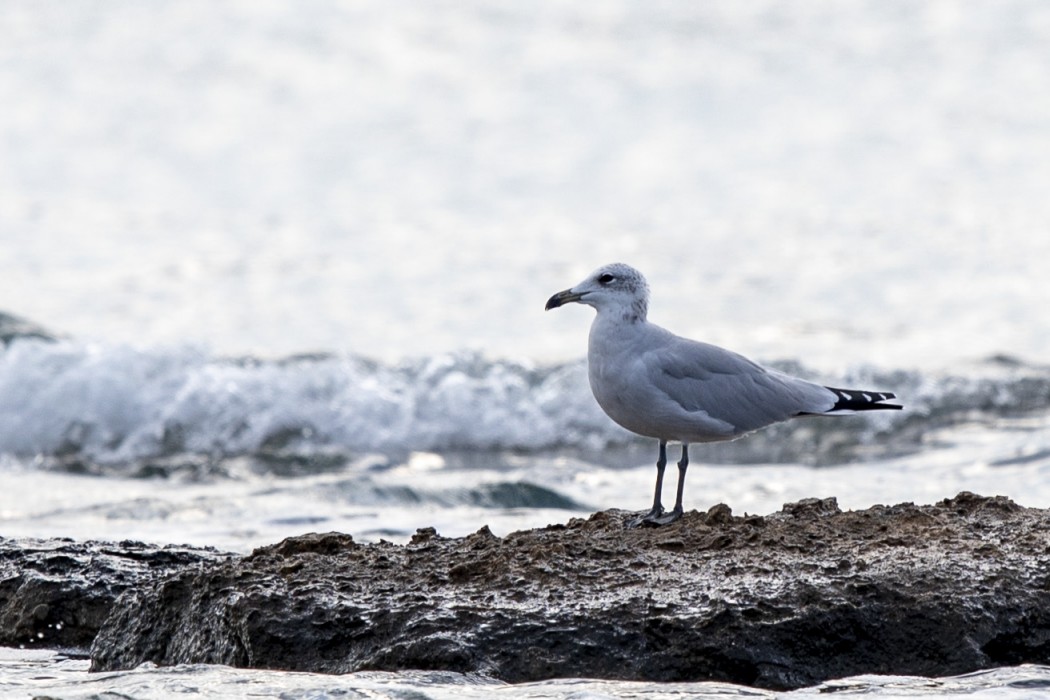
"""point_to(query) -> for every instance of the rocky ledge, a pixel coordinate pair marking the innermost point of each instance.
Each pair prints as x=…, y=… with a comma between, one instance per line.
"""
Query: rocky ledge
x=783, y=601
x=55, y=594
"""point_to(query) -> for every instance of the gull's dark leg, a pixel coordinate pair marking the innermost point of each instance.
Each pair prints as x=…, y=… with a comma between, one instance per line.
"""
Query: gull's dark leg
x=661, y=464
x=675, y=514
x=683, y=464
x=658, y=508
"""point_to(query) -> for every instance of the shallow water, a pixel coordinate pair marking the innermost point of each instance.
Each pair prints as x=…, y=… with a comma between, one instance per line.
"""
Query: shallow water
x=114, y=443
x=54, y=675
x=508, y=493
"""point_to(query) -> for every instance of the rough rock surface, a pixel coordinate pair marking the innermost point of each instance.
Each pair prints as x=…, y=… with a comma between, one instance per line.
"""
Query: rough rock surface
x=782, y=601
x=56, y=593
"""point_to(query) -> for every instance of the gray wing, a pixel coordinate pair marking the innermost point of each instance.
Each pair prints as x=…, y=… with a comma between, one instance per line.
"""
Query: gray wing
x=729, y=387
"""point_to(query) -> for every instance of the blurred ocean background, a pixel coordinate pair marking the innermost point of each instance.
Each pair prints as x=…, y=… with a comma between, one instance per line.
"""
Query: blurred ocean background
x=269, y=267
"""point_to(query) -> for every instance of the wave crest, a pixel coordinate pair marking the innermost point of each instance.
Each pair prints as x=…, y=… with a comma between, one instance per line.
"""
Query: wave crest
x=118, y=404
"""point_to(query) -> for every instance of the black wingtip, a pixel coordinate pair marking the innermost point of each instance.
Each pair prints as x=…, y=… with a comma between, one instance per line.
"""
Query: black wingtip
x=853, y=400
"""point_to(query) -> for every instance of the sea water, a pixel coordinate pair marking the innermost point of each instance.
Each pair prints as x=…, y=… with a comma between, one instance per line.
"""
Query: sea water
x=295, y=257
x=23, y=673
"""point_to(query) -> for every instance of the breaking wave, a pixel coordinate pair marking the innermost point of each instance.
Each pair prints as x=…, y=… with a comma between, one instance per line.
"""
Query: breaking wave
x=73, y=402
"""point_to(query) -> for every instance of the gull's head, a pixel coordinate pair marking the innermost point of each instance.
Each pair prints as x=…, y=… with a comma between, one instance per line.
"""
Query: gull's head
x=610, y=287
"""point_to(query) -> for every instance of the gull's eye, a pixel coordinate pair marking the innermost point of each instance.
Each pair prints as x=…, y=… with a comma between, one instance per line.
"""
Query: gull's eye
x=605, y=278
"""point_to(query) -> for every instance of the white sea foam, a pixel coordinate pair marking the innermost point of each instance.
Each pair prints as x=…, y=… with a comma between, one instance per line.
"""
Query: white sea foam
x=46, y=673
x=114, y=403
x=117, y=403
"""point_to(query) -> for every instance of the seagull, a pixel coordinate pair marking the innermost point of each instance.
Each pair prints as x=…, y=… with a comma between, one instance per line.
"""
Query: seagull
x=660, y=385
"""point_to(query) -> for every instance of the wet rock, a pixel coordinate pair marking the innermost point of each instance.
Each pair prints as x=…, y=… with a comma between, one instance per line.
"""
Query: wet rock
x=56, y=593
x=782, y=601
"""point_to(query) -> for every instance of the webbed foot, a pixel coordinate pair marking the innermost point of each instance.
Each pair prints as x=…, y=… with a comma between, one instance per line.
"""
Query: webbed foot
x=661, y=520
x=647, y=519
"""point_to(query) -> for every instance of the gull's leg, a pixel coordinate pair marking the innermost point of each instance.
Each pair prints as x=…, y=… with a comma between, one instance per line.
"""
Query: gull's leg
x=675, y=514
x=683, y=464
x=658, y=508
x=661, y=463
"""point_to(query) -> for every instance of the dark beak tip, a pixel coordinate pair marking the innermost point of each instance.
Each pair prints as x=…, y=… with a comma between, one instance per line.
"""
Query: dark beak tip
x=554, y=302
x=561, y=299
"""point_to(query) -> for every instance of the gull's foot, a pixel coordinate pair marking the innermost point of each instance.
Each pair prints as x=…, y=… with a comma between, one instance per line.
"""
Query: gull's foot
x=660, y=520
x=647, y=519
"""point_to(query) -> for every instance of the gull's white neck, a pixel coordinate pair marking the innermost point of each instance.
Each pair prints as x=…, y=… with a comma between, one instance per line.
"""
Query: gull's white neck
x=617, y=323
x=635, y=312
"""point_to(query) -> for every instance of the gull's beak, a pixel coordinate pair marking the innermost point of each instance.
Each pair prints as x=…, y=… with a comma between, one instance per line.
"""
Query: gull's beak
x=562, y=298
